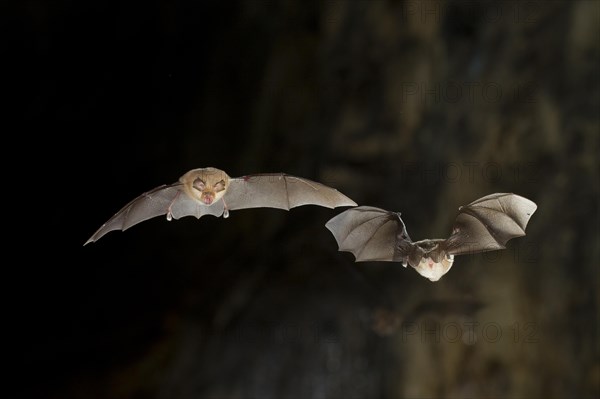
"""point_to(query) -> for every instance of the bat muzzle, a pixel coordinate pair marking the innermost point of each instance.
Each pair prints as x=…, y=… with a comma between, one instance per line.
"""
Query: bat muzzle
x=208, y=198
x=433, y=270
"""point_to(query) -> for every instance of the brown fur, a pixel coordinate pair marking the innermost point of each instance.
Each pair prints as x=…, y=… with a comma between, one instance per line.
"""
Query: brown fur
x=215, y=184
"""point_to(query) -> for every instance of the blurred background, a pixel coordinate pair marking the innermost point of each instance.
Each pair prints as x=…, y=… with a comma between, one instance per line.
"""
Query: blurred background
x=412, y=106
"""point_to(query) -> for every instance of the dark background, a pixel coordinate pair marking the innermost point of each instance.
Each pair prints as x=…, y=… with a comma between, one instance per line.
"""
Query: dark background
x=417, y=107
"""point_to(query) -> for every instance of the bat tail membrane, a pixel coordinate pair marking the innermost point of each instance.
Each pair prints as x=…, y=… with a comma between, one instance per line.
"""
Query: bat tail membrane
x=183, y=206
x=368, y=233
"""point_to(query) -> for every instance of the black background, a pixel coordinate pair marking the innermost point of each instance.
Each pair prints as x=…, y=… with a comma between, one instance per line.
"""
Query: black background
x=418, y=107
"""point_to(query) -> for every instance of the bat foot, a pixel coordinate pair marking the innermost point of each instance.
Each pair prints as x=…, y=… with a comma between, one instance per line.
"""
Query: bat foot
x=169, y=213
x=225, y=210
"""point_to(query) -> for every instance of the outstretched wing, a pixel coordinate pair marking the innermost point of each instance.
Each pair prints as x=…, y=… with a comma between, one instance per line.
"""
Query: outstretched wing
x=281, y=191
x=488, y=223
x=168, y=200
x=371, y=234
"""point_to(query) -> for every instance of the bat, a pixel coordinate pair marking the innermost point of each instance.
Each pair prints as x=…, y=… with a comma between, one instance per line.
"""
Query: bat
x=210, y=191
x=486, y=224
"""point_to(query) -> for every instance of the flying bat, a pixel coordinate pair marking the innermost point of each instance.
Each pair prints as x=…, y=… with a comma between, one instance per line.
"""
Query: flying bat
x=374, y=234
x=210, y=191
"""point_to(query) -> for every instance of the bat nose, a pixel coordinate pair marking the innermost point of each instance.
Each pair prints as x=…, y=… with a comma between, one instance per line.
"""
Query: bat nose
x=207, y=198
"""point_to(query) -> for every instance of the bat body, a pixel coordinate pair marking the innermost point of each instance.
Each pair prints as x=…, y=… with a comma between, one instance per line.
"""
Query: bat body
x=210, y=191
x=374, y=234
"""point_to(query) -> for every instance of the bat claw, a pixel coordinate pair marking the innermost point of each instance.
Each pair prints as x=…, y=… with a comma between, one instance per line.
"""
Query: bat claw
x=169, y=216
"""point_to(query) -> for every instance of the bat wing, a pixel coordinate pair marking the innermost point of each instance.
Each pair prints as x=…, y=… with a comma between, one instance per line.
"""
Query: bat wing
x=160, y=201
x=488, y=223
x=281, y=191
x=369, y=233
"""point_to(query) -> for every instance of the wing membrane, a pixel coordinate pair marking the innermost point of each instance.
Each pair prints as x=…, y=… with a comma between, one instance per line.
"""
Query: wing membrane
x=281, y=191
x=367, y=232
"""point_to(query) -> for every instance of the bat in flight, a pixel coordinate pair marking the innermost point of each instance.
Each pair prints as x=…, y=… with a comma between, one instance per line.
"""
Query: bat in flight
x=210, y=191
x=374, y=234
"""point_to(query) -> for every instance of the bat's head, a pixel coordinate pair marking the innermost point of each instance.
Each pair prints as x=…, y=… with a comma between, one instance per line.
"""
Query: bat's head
x=205, y=185
x=433, y=270
x=433, y=262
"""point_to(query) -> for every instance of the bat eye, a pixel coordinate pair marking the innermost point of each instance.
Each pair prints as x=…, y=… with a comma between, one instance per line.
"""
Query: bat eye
x=199, y=184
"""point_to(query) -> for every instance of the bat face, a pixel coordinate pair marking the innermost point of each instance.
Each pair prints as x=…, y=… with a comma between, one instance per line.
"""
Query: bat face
x=205, y=185
x=433, y=270
x=429, y=259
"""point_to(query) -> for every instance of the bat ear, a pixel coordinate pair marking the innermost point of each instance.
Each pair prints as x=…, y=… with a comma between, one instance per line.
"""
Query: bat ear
x=415, y=256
